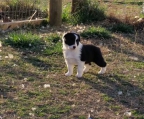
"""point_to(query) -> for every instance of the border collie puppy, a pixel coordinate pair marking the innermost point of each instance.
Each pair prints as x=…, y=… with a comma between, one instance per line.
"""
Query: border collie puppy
x=81, y=55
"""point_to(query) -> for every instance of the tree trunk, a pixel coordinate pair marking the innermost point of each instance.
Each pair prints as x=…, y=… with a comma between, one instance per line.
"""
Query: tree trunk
x=55, y=12
x=77, y=4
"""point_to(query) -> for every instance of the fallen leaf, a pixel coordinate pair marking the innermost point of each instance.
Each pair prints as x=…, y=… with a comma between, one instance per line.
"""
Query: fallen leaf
x=23, y=86
x=120, y=93
x=128, y=114
x=6, y=57
x=133, y=58
x=33, y=108
x=10, y=56
x=31, y=114
x=46, y=86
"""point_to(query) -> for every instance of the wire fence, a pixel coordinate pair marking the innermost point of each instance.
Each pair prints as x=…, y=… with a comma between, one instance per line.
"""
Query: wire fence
x=15, y=10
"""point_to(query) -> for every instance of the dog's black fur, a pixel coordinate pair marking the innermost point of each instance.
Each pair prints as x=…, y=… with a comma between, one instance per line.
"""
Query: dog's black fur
x=91, y=53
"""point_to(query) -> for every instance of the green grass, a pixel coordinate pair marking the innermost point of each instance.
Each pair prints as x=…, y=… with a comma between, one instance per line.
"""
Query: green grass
x=137, y=114
x=107, y=98
x=124, y=28
x=142, y=15
x=139, y=65
x=96, y=32
x=23, y=40
x=50, y=44
x=81, y=117
x=54, y=45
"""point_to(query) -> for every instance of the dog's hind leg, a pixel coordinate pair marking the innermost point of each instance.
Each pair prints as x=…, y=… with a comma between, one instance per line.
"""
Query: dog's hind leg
x=102, y=71
x=86, y=67
x=100, y=62
x=70, y=70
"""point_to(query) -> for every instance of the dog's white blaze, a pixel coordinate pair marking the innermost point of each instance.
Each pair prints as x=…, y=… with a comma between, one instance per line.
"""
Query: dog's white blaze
x=76, y=37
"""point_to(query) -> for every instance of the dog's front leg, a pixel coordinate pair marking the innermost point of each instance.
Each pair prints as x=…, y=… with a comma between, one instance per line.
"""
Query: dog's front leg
x=70, y=69
x=80, y=69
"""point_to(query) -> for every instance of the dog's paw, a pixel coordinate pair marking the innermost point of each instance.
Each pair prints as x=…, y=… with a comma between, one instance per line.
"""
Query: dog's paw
x=102, y=71
x=78, y=75
x=68, y=74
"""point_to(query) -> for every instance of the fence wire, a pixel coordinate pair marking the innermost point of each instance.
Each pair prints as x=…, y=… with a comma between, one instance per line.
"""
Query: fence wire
x=15, y=10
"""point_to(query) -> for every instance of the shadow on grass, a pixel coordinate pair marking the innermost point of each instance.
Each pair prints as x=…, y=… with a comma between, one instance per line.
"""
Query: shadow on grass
x=38, y=63
x=13, y=77
x=116, y=45
x=131, y=97
x=119, y=45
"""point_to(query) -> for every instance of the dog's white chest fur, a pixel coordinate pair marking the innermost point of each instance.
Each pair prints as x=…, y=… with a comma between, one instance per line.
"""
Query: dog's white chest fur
x=72, y=56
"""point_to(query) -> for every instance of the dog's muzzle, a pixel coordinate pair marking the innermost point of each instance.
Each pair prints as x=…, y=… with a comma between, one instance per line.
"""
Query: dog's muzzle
x=74, y=47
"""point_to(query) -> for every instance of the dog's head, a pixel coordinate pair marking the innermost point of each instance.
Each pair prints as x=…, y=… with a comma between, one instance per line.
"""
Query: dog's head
x=71, y=40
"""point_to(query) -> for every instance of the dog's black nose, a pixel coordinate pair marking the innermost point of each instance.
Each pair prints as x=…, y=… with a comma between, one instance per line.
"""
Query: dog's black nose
x=74, y=47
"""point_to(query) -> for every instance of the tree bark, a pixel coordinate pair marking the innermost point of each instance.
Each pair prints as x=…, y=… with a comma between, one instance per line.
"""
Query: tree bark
x=55, y=12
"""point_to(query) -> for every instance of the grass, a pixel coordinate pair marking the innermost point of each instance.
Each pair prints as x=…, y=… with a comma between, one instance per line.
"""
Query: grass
x=124, y=28
x=23, y=40
x=50, y=45
x=54, y=45
x=96, y=32
x=23, y=94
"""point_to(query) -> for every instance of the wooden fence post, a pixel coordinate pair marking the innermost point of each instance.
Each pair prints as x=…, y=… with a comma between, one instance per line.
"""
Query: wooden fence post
x=55, y=12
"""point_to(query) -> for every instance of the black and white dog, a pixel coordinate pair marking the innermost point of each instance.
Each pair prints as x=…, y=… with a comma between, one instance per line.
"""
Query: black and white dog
x=81, y=55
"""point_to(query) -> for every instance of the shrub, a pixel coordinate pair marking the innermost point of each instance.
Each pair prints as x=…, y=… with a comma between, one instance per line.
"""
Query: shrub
x=94, y=32
x=90, y=12
x=66, y=13
x=124, y=28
